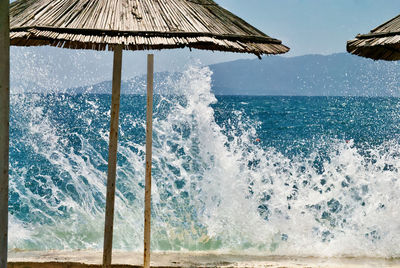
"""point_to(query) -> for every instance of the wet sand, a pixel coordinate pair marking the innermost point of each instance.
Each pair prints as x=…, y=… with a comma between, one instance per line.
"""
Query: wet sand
x=85, y=258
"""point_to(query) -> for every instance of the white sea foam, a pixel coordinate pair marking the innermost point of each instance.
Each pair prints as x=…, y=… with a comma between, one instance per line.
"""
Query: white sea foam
x=213, y=188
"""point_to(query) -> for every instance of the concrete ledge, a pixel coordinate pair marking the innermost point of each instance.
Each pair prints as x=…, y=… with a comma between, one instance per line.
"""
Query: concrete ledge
x=85, y=258
x=58, y=265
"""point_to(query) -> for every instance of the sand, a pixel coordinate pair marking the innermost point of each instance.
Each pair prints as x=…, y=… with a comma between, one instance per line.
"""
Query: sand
x=85, y=258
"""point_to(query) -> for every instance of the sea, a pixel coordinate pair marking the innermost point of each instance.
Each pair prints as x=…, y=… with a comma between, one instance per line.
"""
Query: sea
x=269, y=175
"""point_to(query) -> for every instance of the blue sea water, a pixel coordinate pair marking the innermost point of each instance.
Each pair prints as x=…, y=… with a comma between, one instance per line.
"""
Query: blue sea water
x=272, y=175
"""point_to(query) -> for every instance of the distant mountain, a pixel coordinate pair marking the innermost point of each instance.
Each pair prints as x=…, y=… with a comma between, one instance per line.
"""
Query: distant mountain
x=311, y=75
x=136, y=85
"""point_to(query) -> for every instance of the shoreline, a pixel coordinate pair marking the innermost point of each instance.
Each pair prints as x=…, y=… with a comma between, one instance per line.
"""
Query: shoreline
x=90, y=258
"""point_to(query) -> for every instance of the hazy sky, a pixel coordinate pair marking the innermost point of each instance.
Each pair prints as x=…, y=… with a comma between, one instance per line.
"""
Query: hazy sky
x=306, y=26
x=314, y=26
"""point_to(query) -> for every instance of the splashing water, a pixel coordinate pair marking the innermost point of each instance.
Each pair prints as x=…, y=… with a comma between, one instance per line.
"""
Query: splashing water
x=297, y=190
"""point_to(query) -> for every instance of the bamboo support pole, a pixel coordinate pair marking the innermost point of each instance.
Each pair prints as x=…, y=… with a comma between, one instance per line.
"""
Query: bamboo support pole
x=4, y=126
x=149, y=142
x=112, y=158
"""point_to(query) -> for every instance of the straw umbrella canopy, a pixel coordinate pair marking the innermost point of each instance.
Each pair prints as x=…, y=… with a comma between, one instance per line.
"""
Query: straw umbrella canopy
x=134, y=25
x=382, y=43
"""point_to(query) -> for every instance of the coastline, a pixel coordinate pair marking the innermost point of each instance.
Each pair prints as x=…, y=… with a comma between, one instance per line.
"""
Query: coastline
x=88, y=258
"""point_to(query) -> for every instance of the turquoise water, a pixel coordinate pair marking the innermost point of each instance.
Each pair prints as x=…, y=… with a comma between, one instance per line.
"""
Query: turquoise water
x=271, y=175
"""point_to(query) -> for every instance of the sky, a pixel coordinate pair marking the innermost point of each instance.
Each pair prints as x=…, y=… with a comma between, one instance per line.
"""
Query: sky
x=306, y=26
x=314, y=26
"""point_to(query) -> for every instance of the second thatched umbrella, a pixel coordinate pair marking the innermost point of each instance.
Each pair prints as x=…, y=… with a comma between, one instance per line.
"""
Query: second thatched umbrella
x=382, y=43
x=134, y=25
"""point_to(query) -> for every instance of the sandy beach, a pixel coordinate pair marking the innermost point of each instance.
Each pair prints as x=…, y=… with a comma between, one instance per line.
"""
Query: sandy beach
x=84, y=258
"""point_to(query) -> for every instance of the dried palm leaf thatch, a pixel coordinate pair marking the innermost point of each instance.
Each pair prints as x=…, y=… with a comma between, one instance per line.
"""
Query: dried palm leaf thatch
x=382, y=43
x=135, y=25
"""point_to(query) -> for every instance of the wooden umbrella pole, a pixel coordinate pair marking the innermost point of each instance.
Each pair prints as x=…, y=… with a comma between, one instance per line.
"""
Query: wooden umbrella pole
x=149, y=143
x=4, y=126
x=112, y=157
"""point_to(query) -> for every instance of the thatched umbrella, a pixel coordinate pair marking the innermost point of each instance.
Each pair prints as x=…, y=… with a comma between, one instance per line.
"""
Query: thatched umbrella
x=133, y=25
x=382, y=43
